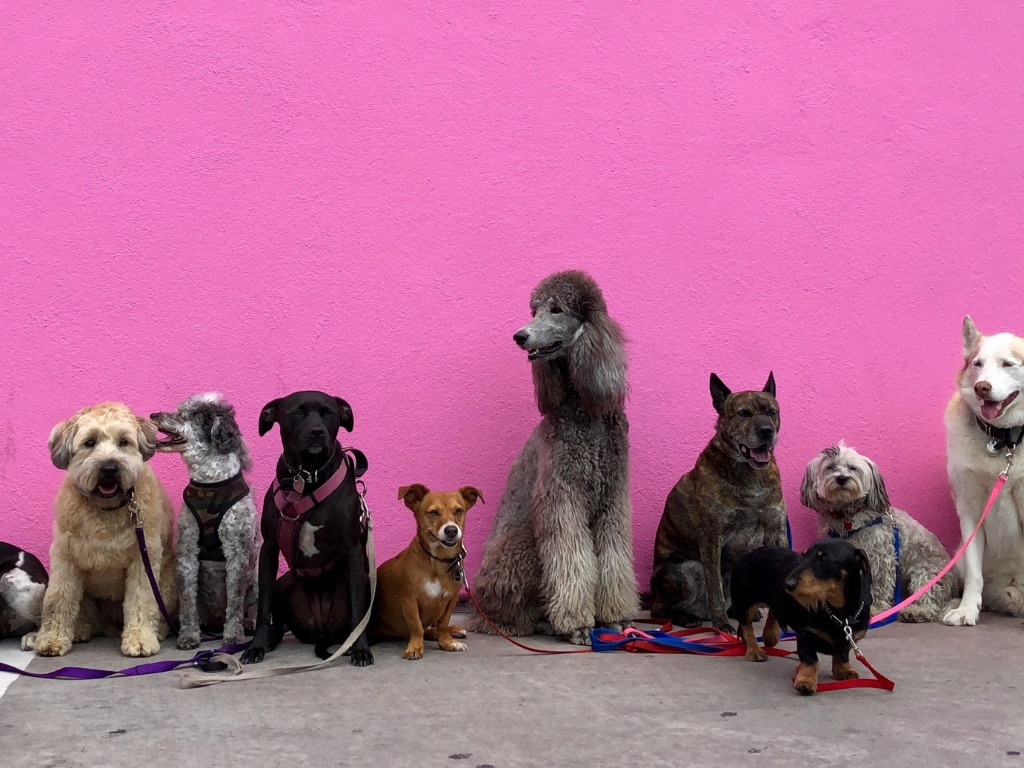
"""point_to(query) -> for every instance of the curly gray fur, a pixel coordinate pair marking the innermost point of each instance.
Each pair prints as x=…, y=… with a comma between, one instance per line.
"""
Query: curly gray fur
x=213, y=594
x=844, y=487
x=559, y=556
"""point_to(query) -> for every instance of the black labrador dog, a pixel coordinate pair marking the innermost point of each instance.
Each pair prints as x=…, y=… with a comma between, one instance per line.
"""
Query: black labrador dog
x=313, y=515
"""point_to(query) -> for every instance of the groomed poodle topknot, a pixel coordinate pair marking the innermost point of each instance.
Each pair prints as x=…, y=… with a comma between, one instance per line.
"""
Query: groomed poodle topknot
x=848, y=493
x=559, y=557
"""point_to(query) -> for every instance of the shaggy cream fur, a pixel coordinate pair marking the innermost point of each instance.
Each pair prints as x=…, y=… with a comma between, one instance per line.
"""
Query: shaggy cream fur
x=97, y=577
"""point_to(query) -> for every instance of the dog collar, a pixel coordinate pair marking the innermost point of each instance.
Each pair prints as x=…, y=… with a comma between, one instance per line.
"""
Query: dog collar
x=849, y=530
x=1000, y=438
x=848, y=620
x=302, y=476
x=454, y=563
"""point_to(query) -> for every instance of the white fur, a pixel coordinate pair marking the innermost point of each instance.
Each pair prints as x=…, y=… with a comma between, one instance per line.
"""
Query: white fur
x=994, y=563
x=21, y=559
x=433, y=588
x=307, y=539
x=24, y=596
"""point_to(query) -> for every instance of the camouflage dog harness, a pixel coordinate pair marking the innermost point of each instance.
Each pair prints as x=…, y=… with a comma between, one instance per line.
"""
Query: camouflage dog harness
x=208, y=502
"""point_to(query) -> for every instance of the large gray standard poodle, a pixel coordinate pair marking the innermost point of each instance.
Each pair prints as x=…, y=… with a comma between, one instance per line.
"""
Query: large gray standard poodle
x=559, y=558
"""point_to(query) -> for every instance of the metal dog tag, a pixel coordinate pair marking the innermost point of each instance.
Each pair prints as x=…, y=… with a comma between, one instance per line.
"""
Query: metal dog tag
x=298, y=484
x=992, y=447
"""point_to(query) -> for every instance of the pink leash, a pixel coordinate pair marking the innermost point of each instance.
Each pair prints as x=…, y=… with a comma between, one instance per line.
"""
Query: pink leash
x=1000, y=482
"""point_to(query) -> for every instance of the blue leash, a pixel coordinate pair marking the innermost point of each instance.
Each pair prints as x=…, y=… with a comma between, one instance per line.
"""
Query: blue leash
x=896, y=550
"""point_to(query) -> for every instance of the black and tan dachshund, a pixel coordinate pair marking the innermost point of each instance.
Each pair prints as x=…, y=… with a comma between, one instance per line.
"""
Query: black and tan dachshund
x=817, y=594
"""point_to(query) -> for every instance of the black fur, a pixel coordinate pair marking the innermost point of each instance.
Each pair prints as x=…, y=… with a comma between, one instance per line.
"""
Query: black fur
x=322, y=610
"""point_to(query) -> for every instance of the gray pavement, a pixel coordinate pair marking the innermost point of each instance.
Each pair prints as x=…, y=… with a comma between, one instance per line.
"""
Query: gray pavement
x=959, y=701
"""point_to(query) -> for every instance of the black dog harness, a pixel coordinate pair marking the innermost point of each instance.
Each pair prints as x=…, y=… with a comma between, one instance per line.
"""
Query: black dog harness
x=295, y=508
x=208, y=502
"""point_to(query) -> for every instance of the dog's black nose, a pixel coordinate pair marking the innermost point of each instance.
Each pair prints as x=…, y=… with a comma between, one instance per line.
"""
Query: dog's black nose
x=109, y=472
x=318, y=432
x=842, y=480
x=765, y=433
x=790, y=584
x=450, y=531
x=520, y=337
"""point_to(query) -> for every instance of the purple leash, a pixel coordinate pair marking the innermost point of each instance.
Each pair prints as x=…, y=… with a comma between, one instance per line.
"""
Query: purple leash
x=140, y=535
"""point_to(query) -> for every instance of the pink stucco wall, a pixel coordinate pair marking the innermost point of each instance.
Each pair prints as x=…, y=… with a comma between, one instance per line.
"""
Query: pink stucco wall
x=265, y=196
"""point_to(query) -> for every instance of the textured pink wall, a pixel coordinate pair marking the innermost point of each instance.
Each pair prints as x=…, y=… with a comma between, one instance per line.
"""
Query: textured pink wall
x=270, y=196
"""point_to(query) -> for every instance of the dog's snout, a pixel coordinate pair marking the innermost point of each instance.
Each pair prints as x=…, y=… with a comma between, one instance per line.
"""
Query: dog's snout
x=983, y=389
x=450, y=531
x=521, y=336
x=790, y=584
x=318, y=432
x=109, y=471
x=766, y=432
x=842, y=480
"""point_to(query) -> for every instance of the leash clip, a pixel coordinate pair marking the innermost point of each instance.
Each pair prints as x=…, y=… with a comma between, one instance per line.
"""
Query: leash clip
x=134, y=513
x=1010, y=451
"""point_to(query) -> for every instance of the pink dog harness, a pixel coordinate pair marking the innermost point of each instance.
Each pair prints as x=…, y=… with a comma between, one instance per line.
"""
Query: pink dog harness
x=294, y=509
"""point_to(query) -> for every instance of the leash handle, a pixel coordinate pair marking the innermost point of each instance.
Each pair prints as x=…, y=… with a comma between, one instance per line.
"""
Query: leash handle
x=876, y=621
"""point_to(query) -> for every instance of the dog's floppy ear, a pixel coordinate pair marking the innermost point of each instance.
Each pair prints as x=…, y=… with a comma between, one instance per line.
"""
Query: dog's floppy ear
x=268, y=416
x=146, y=431
x=769, y=387
x=719, y=392
x=413, y=495
x=972, y=337
x=864, y=571
x=878, y=497
x=471, y=494
x=597, y=364
x=345, y=414
x=808, y=494
x=61, y=438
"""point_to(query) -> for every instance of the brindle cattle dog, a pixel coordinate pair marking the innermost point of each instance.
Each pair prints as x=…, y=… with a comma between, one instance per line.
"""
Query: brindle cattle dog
x=728, y=505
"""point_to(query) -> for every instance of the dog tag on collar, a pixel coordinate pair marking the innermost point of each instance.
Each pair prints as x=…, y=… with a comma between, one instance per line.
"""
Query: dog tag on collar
x=298, y=484
x=992, y=447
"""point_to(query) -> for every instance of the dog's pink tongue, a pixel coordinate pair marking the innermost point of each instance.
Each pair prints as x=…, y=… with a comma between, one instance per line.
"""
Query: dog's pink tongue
x=762, y=455
x=107, y=489
x=991, y=409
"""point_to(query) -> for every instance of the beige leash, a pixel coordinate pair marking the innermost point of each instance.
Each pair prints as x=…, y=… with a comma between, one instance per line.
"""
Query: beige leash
x=236, y=672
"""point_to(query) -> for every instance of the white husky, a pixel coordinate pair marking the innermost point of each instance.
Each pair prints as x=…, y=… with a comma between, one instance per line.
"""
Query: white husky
x=984, y=420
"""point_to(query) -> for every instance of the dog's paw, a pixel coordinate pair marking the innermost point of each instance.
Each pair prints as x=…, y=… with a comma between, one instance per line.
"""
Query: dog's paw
x=916, y=614
x=28, y=642
x=725, y=626
x=755, y=654
x=413, y=651
x=457, y=631
x=962, y=616
x=140, y=642
x=579, y=636
x=233, y=632
x=806, y=681
x=188, y=640
x=362, y=657
x=454, y=646
x=253, y=655
x=844, y=671
x=83, y=634
x=49, y=645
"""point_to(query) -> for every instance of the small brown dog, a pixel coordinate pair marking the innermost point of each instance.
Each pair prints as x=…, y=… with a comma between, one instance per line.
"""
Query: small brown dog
x=418, y=589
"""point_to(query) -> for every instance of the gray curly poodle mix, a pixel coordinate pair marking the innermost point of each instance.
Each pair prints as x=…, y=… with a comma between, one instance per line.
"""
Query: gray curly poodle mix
x=847, y=491
x=559, y=558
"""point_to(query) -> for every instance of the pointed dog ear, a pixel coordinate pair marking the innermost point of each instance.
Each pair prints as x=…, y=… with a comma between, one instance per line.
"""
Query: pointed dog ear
x=719, y=392
x=769, y=387
x=413, y=495
x=268, y=416
x=470, y=495
x=345, y=414
x=972, y=337
x=146, y=431
x=61, y=438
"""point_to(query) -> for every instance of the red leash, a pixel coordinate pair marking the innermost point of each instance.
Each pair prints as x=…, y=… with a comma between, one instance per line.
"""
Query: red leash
x=511, y=640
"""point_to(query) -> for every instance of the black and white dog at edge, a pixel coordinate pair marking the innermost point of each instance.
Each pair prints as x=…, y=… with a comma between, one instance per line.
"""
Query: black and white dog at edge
x=218, y=530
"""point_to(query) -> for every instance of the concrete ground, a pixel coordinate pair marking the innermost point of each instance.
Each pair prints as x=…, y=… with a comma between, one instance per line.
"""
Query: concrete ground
x=959, y=701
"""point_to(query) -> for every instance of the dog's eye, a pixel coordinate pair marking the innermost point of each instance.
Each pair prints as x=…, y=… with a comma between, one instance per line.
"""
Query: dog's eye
x=855, y=469
x=772, y=412
x=556, y=310
x=1008, y=364
x=327, y=413
x=124, y=442
x=977, y=363
x=90, y=443
x=459, y=511
x=820, y=553
x=746, y=413
x=434, y=513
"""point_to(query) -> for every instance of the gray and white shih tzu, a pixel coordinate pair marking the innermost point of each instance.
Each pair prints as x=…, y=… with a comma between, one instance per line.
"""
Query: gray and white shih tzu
x=848, y=493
